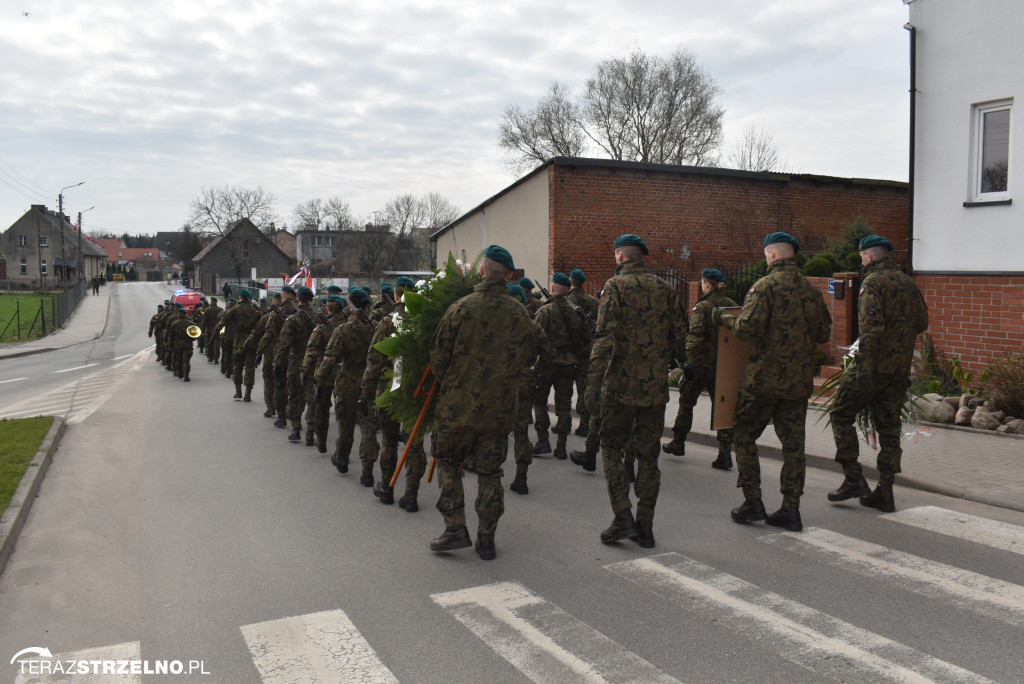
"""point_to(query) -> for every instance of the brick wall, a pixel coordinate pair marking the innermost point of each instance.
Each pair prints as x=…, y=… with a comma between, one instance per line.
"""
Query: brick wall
x=974, y=316
x=717, y=220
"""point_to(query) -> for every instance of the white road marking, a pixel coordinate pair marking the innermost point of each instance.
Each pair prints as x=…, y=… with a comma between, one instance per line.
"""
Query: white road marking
x=125, y=356
x=4, y=382
x=68, y=370
x=992, y=533
x=819, y=642
x=541, y=640
x=319, y=647
x=128, y=651
x=992, y=597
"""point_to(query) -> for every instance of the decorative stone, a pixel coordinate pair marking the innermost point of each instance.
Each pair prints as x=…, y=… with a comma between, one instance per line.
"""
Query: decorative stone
x=984, y=408
x=1000, y=416
x=984, y=420
x=963, y=416
x=965, y=400
x=1003, y=428
x=954, y=402
x=1016, y=426
x=933, y=411
x=931, y=396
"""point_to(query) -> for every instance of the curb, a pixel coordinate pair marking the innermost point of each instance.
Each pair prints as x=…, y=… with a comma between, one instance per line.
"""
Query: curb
x=14, y=518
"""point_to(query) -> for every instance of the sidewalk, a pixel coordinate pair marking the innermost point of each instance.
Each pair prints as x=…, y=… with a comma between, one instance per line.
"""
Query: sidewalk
x=963, y=463
x=85, y=324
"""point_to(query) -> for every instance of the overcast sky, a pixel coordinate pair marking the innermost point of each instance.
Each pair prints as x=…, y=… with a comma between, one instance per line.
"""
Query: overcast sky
x=150, y=101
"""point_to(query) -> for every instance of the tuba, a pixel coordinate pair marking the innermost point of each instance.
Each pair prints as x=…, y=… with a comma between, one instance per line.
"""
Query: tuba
x=193, y=331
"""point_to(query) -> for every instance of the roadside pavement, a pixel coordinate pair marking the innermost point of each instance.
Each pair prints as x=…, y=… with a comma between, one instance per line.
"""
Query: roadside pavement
x=85, y=324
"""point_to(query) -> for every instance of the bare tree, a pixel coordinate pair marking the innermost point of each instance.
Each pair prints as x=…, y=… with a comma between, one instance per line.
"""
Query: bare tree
x=215, y=209
x=757, y=151
x=635, y=108
x=413, y=219
x=551, y=129
x=338, y=214
x=331, y=214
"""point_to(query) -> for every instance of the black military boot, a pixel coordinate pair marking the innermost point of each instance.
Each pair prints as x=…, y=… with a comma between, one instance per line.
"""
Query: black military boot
x=749, y=511
x=881, y=499
x=853, y=485
x=248, y=394
x=724, y=460
x=560, y=448
x=630, y=473
x=484, y=546
x=238, y=391
x=519, y=484
x=454, y=538
x=385, y=493
x=408, y=502
x=342, y=467
x=645, y=537
x=309, y=438
x=321, y=446
x=186, y=379
x=366, y=479
x=295, y=435
x=585, y=460
x=787, y=518
x=623, y=526
x=269, y=413
x=543, y=446
x=675, y=447
x=281, y=421
x=583, y=430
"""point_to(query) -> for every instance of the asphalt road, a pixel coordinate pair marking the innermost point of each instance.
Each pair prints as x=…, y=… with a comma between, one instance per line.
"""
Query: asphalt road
x=178, y=524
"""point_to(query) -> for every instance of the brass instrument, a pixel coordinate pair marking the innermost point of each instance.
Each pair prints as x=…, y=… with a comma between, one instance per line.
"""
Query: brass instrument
x=193, y=331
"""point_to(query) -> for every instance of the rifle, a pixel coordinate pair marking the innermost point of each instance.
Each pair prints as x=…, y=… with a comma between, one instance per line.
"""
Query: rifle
x=583, y=313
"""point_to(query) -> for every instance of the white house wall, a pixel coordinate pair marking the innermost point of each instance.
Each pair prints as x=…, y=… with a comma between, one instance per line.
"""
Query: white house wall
x=517, y=220
x=968, y=52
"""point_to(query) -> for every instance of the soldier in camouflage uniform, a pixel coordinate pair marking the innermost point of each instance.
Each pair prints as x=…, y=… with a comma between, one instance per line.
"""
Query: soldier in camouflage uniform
x=211, y=317
x=369, y=448
x=264, y=338
x=699, y=369
x=320, y=405
x=227, y=338
x=182, y=344
x=533, y=301
x=639, y=323
x=587, y=305
x=386, y=304
x=197, y=319
x=291, y=347
x=288, y=307
x=786, y=318
x=891, y=313
x=170, y=359
x=341, y=371
x=153, y=322
x=569, y=334
x=241, y=320
x=479, y=354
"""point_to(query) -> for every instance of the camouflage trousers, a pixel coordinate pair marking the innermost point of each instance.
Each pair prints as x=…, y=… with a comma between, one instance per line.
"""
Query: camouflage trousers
x=643, y=425
x=753, y=413
x=522, y=449
x=451, y=449
x=415, y=462
x=213, y=349
x=321, y=410
x=226, y=352
x=346, y=392
x=268, y=383
x=562, y=378
x=369, y=448
x=582, y=369
x=281, y=391
x=245, y=368
x=885, y=404
x=689, y=393
x=159, y=350
x=592, y=444
x=296, y=393
x=183, y=361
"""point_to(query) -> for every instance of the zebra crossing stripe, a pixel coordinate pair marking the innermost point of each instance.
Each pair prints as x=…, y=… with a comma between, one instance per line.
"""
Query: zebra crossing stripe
x=542, y=641
x=814, y=640
x=319, y=647
x=992, y=533
x=986, y=595
x=128, y=651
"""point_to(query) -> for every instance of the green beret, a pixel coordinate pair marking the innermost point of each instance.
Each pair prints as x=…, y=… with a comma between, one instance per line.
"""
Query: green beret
x=517, y=293
x=359, y=298
x=289, y=289
x=263, y=300
x=713, y=274
x=181, y=307
x=305, y=292
x=245, y=294
x=776, y=238
x=337, y=299
x=501, y=255
x=230, y=299
x=630, y=240
x=405, y=282
x=561, y=279
x=387, y=287
x=577, y=275
x=875, y=241
x=526, y=283
x=333, y=289
x=213, y=299
x=167, y=301
x=354, y=288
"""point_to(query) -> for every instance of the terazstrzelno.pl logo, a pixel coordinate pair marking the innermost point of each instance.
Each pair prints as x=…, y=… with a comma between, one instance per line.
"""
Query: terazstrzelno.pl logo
x=35, y=661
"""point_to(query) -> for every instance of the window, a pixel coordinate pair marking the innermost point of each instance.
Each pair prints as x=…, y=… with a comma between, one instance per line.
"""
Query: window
x=22, y=241
x=42, y=267
x=24, y=267
x=991, y=154
x=42, y=241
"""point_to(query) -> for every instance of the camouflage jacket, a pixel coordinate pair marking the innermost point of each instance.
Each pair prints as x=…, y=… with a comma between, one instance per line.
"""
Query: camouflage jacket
x=568, y=333
x=295, y=332
x=382, y=309
x=317, y=343
x=479, y=353
x=344, y=358
x=240, y=320
x=786, y=318
x=374, y=381
x=891, y=313
x=701, y=337
x=178, y=336
x=153, y=322
x=211, y=316
x=271, y=329
x=639, y=324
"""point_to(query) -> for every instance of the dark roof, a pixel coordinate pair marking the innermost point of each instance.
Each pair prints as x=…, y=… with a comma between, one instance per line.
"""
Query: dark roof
x=667, y=168
x=217, y=240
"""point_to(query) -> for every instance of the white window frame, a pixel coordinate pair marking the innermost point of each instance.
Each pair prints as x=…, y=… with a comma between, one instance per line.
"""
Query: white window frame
x=43, y=241
x=24, y=267
x=978, y=112
x=22, y=241
x=42, y=267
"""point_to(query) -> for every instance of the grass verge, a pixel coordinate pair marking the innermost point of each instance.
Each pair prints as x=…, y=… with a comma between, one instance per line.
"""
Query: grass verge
x=20, y=439
x=23, y=308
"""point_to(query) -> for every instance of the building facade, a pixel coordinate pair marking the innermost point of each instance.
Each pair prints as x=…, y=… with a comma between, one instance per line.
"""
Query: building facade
x=42, y=249
x=233, y=256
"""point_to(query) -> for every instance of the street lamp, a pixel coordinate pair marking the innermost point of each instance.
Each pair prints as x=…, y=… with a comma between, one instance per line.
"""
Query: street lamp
x=60, y=212
x=81, y=257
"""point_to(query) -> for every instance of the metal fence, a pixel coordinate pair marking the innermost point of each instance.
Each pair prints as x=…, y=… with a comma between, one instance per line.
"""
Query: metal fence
x=51, y=314
x=679, y=283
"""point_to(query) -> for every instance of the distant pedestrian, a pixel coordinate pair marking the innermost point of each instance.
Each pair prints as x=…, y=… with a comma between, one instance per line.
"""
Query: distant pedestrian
x=226, y=290
x=95, y=285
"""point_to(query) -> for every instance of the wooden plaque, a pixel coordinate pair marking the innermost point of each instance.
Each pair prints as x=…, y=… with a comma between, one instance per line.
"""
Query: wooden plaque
x=730, y=361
